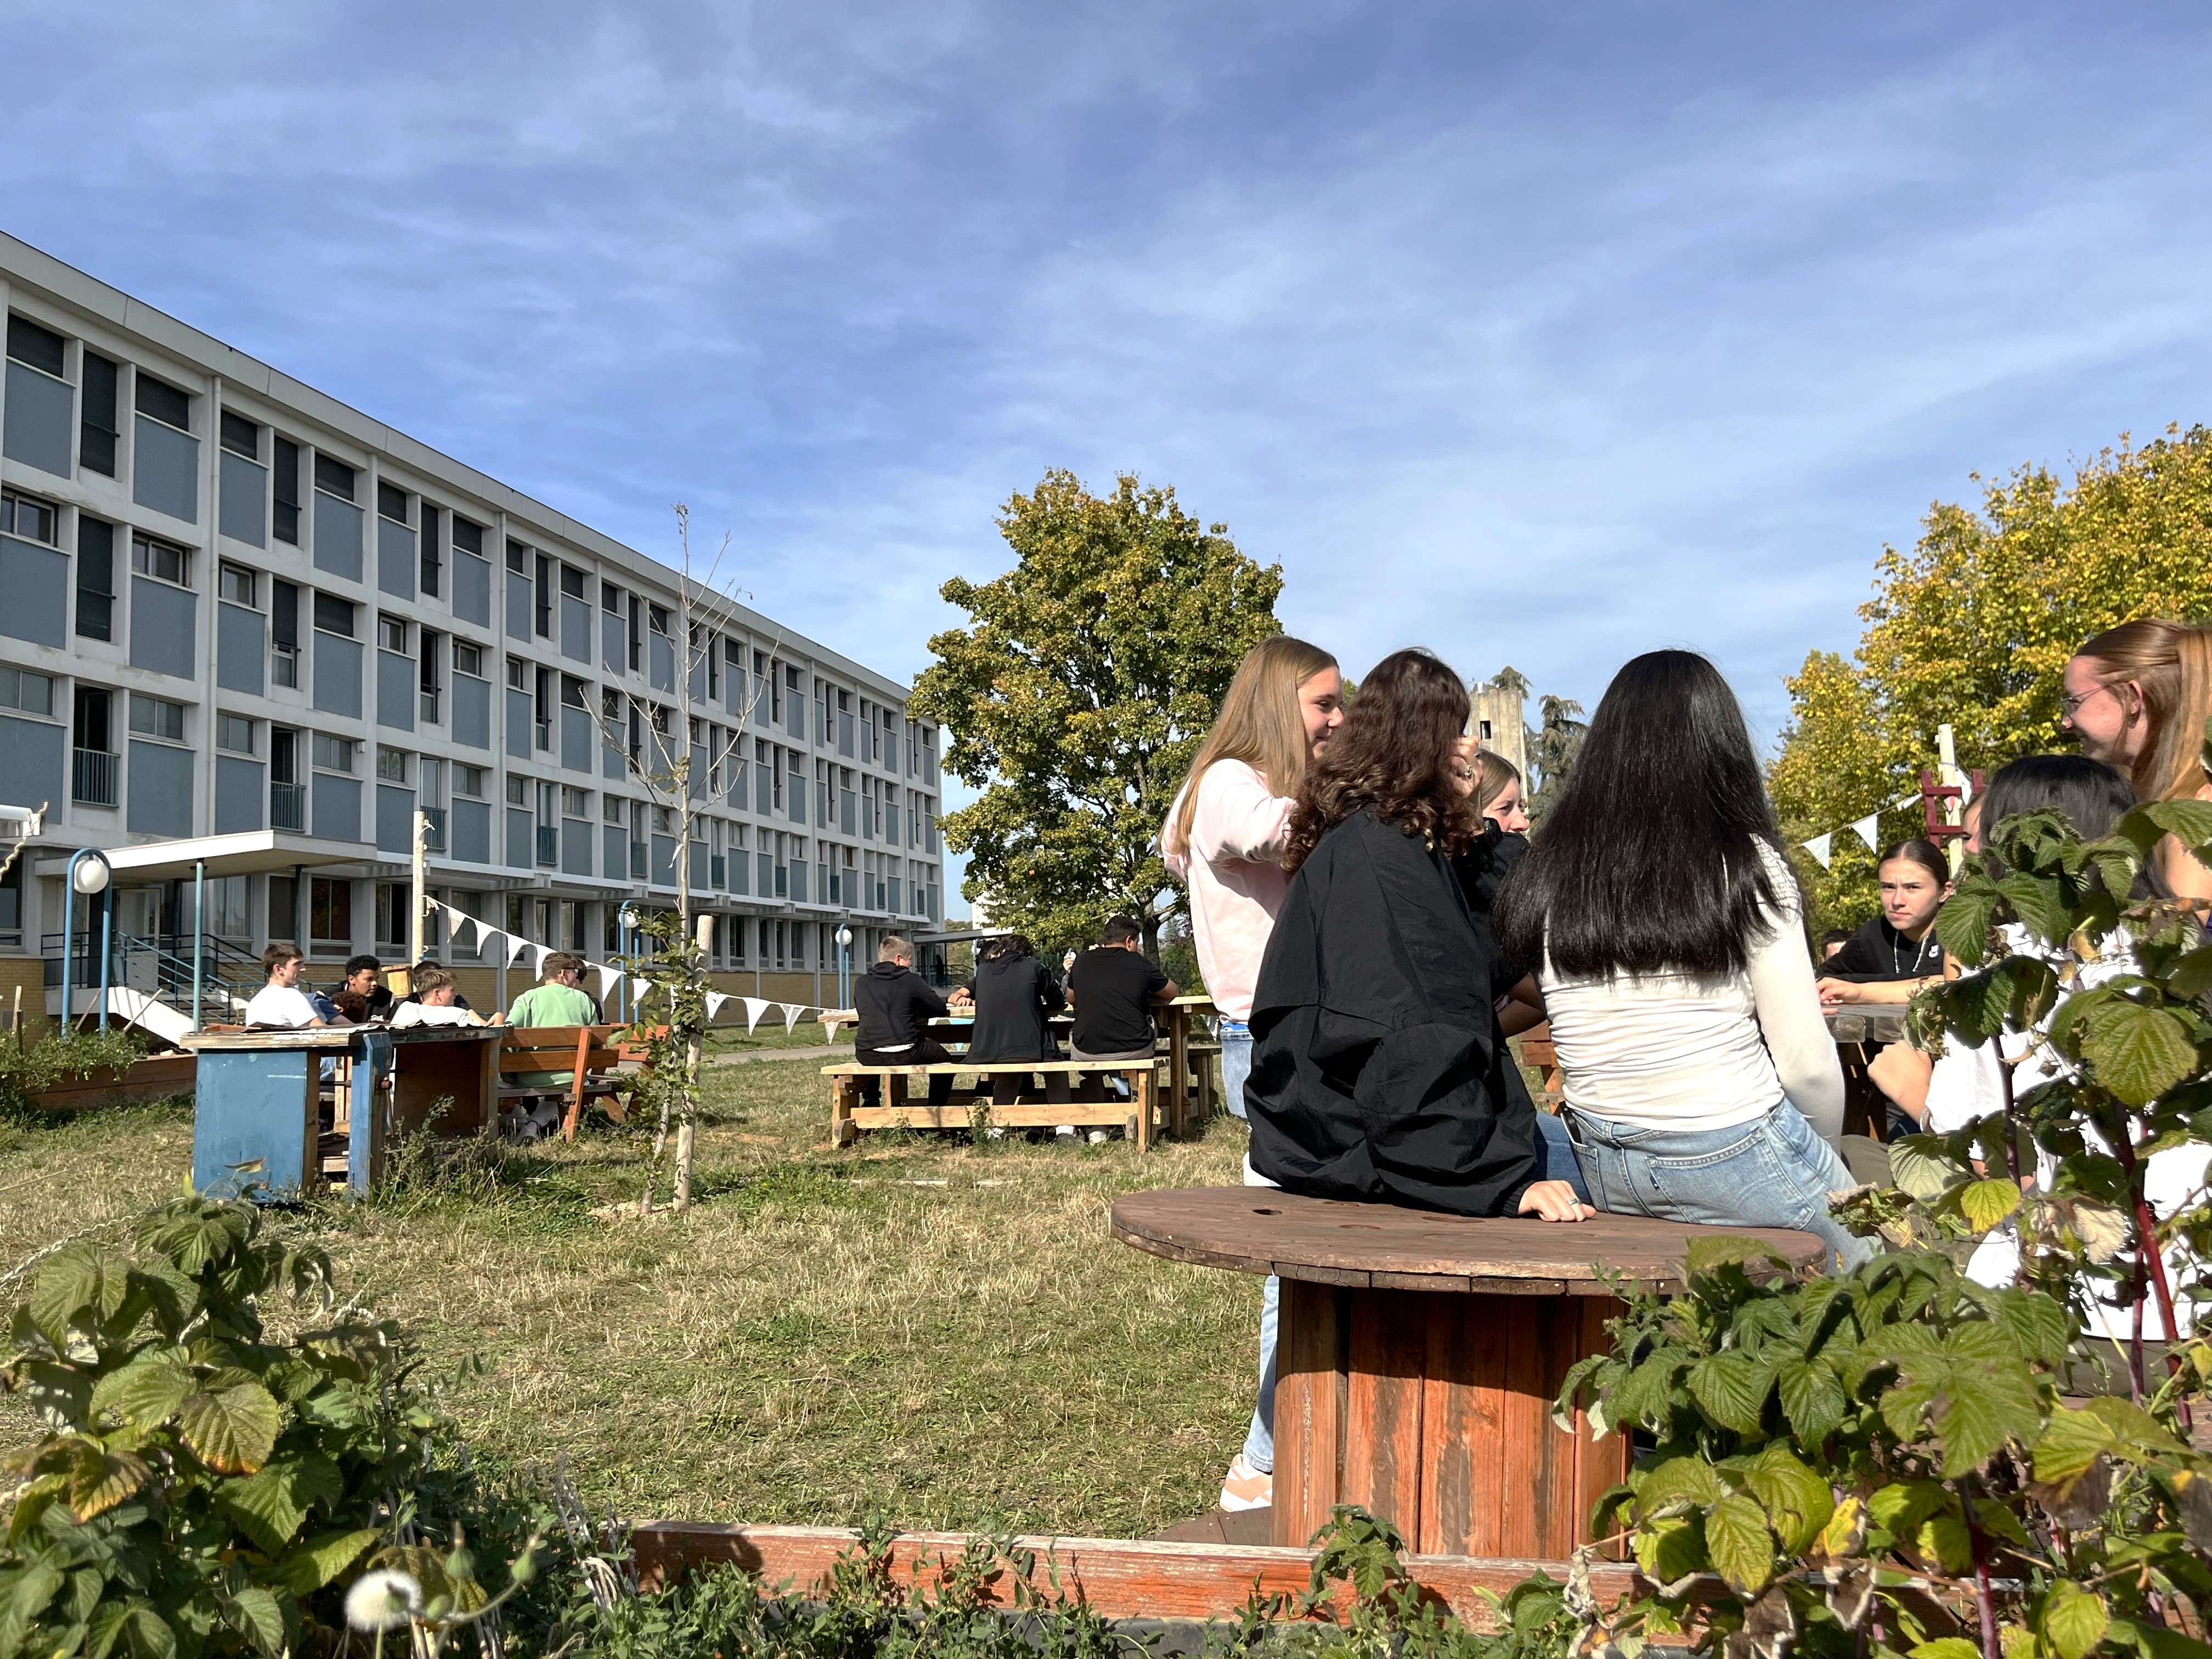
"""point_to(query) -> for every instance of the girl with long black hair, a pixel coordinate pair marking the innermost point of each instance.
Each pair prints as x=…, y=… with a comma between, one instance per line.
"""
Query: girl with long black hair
x=1377, y=1065
x=1701, y=1082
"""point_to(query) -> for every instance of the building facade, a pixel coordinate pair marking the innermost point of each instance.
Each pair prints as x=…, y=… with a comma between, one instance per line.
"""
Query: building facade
x=245, y=631
x=1498, y=716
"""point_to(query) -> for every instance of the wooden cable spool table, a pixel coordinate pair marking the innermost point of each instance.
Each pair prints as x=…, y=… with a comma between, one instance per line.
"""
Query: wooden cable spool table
x=1420, y=1354
x=1860, y=1030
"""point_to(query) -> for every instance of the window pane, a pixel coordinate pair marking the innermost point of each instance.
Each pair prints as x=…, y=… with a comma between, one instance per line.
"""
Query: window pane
x=164, y=403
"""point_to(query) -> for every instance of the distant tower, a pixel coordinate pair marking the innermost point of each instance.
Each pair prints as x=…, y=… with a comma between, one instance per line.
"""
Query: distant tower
x=1499, y=715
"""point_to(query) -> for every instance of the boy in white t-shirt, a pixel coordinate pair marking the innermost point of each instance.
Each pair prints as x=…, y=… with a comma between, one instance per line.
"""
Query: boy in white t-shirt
x=433, y=1003
x=281, y=1002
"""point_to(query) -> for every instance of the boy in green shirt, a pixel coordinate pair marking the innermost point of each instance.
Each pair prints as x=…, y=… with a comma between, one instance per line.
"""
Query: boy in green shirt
x=559, y=998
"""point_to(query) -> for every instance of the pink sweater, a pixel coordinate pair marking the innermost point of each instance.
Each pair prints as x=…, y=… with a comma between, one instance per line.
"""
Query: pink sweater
x=1234, y=871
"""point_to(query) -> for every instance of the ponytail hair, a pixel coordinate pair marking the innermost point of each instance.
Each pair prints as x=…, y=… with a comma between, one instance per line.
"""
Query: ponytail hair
x=2171, y=662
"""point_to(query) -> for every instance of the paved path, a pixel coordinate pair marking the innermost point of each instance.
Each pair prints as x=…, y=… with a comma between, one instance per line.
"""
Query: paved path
x=823, y=1052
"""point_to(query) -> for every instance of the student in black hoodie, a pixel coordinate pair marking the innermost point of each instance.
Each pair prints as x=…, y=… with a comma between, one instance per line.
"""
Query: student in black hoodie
x=893, y=1002
x=1013, y=994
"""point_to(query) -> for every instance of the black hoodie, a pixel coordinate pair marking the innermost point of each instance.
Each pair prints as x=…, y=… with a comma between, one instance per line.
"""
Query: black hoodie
x=892, y=1001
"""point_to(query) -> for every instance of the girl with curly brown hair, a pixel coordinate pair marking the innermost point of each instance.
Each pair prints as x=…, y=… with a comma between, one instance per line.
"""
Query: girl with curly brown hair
x=1377, y=1067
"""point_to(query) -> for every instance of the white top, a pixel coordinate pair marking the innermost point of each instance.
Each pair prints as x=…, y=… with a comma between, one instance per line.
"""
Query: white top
x=1680, y=1051
x=1966, y=1085
x=280, y=1005
x=1233, y=868
x=422, y=1013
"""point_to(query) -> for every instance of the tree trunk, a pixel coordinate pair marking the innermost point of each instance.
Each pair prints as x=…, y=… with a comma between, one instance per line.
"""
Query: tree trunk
x=1152, y=925
x=687, y=1126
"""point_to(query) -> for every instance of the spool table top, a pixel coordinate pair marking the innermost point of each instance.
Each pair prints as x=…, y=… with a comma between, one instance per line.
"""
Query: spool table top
x=1260, y=1230
x=1874, y=1021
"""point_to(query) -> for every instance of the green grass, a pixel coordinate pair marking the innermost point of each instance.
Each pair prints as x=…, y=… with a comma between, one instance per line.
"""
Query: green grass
x=821, y=1339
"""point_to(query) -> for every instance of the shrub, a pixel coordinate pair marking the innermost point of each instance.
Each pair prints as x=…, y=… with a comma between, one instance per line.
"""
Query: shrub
x=204, y=1486
x=28, y=1066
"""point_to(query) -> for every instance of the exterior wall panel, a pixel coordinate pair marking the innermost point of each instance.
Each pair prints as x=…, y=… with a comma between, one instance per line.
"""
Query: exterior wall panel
x=243, y=513
x=518, y=726
x=577, y=740
x=338, y=536
x=335, y=807
x=32, y=754
x=576, y=628
x=41, y=420
x=33, y=592
x=517, y=607
x=164, y=628
x=337, y=677
x=160, y=790
x=165, y=469
x=241, y=795
x=242, y=648
x=471, y=588
x=395, y=819
x=472, y=711
x=519, y=826
x=396, y=690
x=395, y=559
x=576, y=847
x=470, y=831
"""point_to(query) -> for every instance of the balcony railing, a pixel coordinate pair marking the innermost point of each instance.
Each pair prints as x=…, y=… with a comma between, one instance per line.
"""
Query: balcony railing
x=549, y=844
x=288, y=806
x=434, y=837
x=96, y=777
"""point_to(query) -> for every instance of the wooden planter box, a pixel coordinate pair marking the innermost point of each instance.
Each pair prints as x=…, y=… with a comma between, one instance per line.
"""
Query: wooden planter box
x=157, y=1077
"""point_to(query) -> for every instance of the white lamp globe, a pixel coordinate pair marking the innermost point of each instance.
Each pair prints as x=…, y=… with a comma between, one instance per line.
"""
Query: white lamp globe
x=844, y=936
x=91, y=876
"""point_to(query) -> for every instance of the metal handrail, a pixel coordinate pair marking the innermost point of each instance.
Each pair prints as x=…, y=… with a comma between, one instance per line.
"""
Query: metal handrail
x=288, y=806
x=95, y=777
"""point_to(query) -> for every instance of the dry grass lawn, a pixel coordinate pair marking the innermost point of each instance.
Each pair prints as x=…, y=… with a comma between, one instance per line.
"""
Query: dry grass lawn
x=939, y=1333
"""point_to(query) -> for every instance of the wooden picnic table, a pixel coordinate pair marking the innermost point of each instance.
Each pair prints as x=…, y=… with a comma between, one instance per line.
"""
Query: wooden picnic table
x=1420, y=1354
x=1860, y=1032
x=1006, y=1088
x=1177, y=1015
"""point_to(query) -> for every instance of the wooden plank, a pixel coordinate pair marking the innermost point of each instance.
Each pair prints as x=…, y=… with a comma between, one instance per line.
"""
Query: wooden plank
x=1600, y=1465
x=155, y=1077
x=1461, y=1501
x=1146, y=1086
x=989, y=1068
x=921, y=1115
x=1388, y=1364
x=1310, y=1383
x=1556, y=1508
x=1133, y=1579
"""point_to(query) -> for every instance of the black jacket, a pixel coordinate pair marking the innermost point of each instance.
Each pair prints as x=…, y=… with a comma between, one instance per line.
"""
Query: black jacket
x=1878, y=953
x=1013, y=996
x=1482, y=870
x=892, y=1003
x=1377, y=1065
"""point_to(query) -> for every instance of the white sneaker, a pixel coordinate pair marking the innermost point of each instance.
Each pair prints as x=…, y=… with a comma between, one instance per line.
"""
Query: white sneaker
x=1096, y=1137
x=1246, y=1488
x=1066, y=1132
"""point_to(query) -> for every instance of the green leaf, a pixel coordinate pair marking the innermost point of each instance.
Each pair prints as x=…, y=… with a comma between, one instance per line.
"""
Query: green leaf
x=1670, y=1549
x=2139, y=1052
x=83, y=1278
x=102, y=1478
x=2074, y=1621
x=232, y=1429
x=254, y=1614
x=2037, y=1325
x=1736, y=1539
x=2038, y=902
x=271, y=1503
x=1944, y=1540
x=315, y=1562
x=1946, y=1647
x=1962, y=926
x=1986, y=1203
x=147, y=1633
x=1677, y=1478
x=1798, y=1502
x=2191, y=977
x=2190, y=821
x=147, y=1392
x=1710, y=1254
x=1731, y=1389
x=2071, y=1442
x=1988, y=1398
x=1812, y=1398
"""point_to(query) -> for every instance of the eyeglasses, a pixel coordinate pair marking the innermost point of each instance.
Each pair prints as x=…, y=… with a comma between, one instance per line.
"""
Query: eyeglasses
x=2069, y=705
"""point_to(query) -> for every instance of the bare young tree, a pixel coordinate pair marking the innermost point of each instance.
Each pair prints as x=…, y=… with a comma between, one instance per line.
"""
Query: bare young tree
x=671, y=753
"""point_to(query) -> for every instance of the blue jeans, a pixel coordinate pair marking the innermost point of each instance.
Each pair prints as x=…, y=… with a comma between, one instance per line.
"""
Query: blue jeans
x=1771, y=1172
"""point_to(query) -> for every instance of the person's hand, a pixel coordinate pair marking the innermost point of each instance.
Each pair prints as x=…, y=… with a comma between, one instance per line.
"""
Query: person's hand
x=1839, y=992
x=1554, y=1200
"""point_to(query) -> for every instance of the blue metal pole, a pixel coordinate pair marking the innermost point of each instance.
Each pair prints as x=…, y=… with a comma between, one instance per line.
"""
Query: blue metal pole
x=107, y=944
x=69, y=932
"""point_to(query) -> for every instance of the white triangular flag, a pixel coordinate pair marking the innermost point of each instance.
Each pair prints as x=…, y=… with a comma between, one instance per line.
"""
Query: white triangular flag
x=791, y=1013
x=609, y=978
x=715, y=1001
x=494, y=946
x=538, y=955
x=1905, y=800
x=638, y=987
x=1817, y=847
x=754, y=1009
x=1867, y=829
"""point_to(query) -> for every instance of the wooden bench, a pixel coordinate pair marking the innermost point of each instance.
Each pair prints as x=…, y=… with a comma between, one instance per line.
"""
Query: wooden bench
x=1200, y=1057
x=1027, y=1109
x=1538, y=1052
x=579, y=1050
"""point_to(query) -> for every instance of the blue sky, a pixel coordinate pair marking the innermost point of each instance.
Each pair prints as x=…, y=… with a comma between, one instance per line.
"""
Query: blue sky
x=1539, y=335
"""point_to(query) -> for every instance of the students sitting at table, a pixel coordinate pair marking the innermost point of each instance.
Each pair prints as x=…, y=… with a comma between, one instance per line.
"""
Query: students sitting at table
x=1012, y=994
x=1114, y=987
x=414, y=982
x=1701, y=1082
x=895, y=1004
x=281, y=1002
x=364, y=978
x=1896, y=952
x=1377, y=1063
x=434, y=1001
x=558, y=998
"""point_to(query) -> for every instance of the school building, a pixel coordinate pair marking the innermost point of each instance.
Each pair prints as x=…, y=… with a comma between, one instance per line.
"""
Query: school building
x=245, y=631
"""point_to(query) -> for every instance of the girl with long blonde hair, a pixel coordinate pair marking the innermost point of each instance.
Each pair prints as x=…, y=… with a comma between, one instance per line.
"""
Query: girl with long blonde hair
x=1224, y=838
x=2137, y=696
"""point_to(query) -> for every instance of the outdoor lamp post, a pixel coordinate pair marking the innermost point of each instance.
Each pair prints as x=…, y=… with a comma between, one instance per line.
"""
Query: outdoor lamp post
x=626, y=936
x=844, y=967
x=87, y=879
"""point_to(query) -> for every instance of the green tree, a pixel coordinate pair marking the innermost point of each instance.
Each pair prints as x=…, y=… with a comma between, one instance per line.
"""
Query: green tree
x=1078, y=698
x=1552, y=747
x=1972, y=627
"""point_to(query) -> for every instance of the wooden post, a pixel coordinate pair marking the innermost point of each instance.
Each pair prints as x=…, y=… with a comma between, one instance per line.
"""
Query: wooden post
x=1147, y=1092
x=418, y=873
x=1178, y=1067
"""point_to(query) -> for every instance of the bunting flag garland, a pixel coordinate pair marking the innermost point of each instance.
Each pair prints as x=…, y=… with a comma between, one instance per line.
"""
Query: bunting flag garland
x=511, y=948
x=1817, y=847
x=1867, y=829
x=1822, y=846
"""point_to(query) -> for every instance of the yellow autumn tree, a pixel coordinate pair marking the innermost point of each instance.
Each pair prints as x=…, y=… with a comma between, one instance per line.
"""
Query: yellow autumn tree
x=1972, y=627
